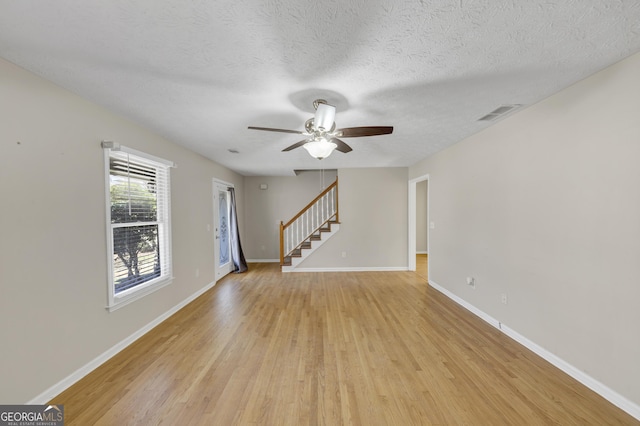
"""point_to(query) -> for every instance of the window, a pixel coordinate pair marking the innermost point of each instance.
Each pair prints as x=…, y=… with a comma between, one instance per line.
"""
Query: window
x=138, y=223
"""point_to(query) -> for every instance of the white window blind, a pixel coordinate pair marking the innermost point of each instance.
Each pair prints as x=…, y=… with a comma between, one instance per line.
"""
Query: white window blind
x=139, y=227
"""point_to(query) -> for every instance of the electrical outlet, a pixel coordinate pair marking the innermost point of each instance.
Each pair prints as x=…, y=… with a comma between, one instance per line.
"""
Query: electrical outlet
x=344, y=254
x=471, y=282
x=503, y=298
x=197, y=272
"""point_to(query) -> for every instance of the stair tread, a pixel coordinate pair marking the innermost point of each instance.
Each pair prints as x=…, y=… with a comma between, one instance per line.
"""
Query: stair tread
x=307, y=244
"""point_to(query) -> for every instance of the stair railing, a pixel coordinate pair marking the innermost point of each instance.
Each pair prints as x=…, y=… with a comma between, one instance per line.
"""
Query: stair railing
x=309, y=220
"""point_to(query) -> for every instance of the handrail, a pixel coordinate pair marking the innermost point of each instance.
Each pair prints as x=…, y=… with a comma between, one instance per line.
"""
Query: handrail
x=309, y=220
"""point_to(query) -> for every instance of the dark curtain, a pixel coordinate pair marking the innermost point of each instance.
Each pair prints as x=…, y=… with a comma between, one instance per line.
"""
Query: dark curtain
x=237, y=256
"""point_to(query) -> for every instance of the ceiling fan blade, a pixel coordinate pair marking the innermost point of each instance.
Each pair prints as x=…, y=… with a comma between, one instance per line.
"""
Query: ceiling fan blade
x=342, y=147
x=295, y=145
x=269, y=129
x=355, y=132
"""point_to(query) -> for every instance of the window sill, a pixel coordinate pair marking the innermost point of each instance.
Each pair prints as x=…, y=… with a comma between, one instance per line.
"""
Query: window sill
x=124, y=300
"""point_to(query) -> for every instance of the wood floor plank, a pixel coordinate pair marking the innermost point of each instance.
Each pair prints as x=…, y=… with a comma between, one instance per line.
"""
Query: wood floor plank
x=362, y=348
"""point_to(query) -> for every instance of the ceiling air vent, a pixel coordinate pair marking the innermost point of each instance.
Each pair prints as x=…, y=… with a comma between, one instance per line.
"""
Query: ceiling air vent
x=499, y=112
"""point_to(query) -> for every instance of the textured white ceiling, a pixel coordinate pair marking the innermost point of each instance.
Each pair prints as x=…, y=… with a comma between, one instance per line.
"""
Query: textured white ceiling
x=200, y=72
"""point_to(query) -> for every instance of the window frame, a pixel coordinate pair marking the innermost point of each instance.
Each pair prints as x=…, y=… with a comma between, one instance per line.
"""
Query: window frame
x=123, y=298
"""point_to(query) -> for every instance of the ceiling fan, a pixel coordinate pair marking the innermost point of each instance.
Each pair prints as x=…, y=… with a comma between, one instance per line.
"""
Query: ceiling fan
x=322, y=135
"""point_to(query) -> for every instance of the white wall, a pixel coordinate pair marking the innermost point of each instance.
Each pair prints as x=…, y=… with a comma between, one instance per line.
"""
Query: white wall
x=373, y=216
x=53, y=261
x=545, y=207
x=422, y=228
x=283, y=199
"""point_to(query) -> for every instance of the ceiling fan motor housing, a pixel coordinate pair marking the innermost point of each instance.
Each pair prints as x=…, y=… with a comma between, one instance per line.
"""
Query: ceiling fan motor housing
x=325, y=116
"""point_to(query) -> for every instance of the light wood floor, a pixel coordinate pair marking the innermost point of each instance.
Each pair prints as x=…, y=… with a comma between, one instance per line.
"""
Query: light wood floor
x=422, y=266
x=366, y=348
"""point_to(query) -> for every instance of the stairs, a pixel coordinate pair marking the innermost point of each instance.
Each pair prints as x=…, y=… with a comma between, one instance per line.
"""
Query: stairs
x=312, y=243
x=310, y=228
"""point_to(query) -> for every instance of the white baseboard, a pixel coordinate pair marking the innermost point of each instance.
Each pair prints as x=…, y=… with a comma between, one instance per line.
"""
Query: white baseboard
x=65, y=383
x=353, y=269
x=263, y=260
x=469, y=307
x=599, y=388
x=421, y=252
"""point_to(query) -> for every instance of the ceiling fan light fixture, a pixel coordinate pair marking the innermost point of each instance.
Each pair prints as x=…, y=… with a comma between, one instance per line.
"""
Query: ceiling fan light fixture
x=322, y=137
x=320, y=148
x=325, y=116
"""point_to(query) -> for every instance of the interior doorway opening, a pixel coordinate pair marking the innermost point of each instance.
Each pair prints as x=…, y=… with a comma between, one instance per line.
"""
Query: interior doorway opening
x=419, y=224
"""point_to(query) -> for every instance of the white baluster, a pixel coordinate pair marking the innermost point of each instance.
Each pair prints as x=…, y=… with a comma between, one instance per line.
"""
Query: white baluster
x=328, y=207
x=333, y=201
x=324, y=214
x=325, y=207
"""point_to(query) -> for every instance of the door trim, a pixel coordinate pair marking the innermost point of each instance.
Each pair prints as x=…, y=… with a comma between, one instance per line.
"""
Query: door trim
x=218, y=274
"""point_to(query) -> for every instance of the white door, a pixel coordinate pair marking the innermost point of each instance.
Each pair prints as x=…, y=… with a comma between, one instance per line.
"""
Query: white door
x=222, y=244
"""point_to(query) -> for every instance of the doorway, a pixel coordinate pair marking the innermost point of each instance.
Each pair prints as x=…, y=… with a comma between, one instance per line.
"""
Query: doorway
x=419, y=224
x=222, y=240
x=422, y=228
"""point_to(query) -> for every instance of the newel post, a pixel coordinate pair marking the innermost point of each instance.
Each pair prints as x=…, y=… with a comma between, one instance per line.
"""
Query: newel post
x=281, y=243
